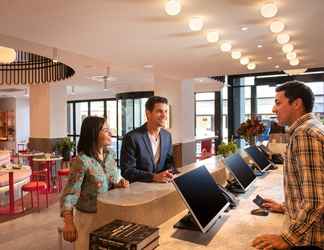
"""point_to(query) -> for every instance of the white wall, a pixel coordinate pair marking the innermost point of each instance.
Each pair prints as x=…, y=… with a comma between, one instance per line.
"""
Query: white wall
x=22, y=119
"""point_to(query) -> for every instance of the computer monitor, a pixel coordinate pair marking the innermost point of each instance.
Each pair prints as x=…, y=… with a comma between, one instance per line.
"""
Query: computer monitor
x=242, y=173
x=259, y=158
x=202, y=196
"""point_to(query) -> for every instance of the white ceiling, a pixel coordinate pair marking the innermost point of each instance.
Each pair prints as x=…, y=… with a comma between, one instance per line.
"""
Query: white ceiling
x=128, y=34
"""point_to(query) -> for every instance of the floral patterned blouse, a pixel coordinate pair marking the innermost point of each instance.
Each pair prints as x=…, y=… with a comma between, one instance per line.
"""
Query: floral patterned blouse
x=87, y=178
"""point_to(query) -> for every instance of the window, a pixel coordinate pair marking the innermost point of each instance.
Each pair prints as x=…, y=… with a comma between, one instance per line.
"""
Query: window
x=205, y=114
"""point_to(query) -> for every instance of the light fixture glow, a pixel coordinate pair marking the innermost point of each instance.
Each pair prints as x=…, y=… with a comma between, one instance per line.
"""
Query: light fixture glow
x=244, y=60
x=260, y=46
x=236, y=55
x=244, y=28
x=173, y=7
x=212, y=36
x=277, y=27
x=55, y=56
x=283, y=38
x=226, y=47
x=269, y=10
x=269, y=57
x=196, y=23
x=7, y=55
x=277, y=66
x=294, y=62
x=287, y=48
x=251, y=66
x=291, y=55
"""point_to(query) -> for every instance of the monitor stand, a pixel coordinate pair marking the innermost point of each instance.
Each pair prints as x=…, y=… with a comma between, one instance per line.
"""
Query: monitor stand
x=273, y=167
x=256, y=171
x=187, y=222
x=234, y=188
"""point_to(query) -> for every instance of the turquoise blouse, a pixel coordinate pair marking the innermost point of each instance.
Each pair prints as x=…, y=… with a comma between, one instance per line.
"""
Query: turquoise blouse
x=87, y=179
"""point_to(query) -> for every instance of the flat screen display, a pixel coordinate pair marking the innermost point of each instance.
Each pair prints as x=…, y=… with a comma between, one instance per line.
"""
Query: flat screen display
x=240, y=170
x=202, y=196
x=258, y=156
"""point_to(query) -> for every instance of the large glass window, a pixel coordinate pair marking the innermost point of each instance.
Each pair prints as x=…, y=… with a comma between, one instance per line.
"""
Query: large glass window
x=205, y=114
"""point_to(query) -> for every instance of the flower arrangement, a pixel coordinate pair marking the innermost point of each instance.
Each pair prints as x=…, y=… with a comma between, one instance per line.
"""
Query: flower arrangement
x=226, y=149
x=250, y=129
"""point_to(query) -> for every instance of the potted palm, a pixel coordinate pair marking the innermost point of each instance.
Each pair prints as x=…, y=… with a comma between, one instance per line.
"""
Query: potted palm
x=65, y=147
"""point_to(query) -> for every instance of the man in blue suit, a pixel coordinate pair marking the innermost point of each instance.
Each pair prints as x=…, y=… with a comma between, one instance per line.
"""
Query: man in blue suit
x=146, y=153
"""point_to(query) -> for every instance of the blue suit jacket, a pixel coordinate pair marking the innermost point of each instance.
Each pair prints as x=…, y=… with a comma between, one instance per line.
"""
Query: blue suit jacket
x=137, y=160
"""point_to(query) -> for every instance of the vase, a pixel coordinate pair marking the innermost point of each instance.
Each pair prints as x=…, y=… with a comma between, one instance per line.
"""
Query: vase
x=251, y=140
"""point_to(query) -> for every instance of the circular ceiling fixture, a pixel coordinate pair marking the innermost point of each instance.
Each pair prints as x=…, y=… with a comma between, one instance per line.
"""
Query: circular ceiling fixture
x=212, y=36
x=283, y=38
x=287, y=48
x=269, y=10
x=29, y=68
x=226, y=47
x=294, y=62
x=244, y=60
x=173, y=7
x=7, y=55
x=236, y=55
x=251, y=66
x=277, y=27
x=196, y=23
x=291, y=55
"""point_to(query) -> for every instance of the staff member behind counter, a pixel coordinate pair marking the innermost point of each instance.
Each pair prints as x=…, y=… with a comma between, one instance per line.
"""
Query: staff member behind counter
x=303, y=172
x=146, y=153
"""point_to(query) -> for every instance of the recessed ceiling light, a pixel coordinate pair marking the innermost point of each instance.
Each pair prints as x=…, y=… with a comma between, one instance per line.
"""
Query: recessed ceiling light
x=172, y=7
x=291, y=55
x=294, y=62
x=251, y=66
x=244, y=28
x=244, y=60
x=7, y=55
x=236, y=54
x=196, y=23
x=277, y=27
x=287, y=48
x=212, y=36
x=226, y=47
x=277, y=66
x=260, y=46
x=269, y=57
x=269, y=10
x=283, y=38
x=148, y=66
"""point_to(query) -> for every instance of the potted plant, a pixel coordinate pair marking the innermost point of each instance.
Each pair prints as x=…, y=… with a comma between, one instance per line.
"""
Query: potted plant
x=65, y=147
x=250, y=129
x=227, y=149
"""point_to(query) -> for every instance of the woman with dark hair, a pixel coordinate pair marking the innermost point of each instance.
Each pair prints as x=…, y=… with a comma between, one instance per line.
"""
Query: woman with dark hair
x=94, y=171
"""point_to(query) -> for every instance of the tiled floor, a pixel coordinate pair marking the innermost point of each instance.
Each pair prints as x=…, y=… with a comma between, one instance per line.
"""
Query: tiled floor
x=36, y=231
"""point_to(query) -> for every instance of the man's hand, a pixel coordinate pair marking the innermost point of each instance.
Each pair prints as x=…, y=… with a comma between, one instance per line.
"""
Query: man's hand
x=273, y=206
x=164, y=176
x=270, y=241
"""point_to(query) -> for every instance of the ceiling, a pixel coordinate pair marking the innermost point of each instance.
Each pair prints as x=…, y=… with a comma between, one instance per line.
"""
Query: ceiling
x=128, y=34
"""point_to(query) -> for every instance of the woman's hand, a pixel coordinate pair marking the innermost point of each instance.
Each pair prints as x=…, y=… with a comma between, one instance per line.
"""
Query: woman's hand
x=122, y=184
x=69, y=230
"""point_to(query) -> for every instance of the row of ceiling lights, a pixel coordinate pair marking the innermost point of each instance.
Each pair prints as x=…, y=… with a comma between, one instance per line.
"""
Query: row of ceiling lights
x=196, y=23
x=270, y=10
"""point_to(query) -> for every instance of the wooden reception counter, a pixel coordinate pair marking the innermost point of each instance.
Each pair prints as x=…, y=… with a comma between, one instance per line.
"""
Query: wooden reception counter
x=150, y=203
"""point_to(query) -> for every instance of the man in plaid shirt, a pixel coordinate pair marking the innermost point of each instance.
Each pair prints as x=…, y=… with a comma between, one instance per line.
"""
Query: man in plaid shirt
x=303, y=172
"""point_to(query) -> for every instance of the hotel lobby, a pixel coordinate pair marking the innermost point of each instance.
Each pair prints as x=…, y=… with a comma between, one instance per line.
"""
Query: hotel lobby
x=217, y=62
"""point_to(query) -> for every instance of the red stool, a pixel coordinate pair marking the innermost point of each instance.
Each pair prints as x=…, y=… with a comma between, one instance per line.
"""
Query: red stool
x=36, y=185
x=63, y=172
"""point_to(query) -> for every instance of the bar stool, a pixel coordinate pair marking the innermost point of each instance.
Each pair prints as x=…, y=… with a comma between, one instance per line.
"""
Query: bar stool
x=63, y=172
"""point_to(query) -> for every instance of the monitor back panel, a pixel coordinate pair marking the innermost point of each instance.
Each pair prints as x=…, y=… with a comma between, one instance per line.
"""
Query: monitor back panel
x=240, y=170
x=202, y=195
x=259, y=157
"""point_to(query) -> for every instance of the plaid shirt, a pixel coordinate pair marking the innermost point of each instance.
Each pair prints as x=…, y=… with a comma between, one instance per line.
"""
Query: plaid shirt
x=304, y=183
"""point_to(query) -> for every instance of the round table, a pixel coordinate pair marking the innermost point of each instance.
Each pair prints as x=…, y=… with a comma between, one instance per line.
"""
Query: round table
x=29, y=156
x=11, y=172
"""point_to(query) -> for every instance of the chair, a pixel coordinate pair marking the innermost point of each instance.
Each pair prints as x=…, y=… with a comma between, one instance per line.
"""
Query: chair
x=63, y=172
x=38, y=185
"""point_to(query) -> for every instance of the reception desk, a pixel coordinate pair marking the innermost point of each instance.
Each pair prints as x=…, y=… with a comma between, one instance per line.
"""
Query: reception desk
x=160, y=205
x=150, y=203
